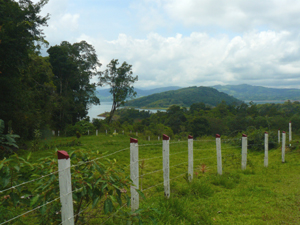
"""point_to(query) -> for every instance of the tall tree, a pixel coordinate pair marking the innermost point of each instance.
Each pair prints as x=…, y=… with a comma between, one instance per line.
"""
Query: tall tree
x=120, y=80
x=20, y=35
x=73, y=67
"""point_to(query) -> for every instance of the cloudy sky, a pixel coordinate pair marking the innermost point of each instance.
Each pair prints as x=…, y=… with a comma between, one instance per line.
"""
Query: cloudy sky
x=187, y=42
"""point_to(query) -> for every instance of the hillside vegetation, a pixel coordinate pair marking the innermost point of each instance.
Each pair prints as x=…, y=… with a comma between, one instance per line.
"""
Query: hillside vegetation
x=183, y=97
x=258, y=93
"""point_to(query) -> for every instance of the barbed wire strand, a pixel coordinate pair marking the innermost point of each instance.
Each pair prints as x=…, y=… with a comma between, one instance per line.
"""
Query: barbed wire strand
x=38, y=207
x=74, y=215
x=27, y=182
x=114, y=213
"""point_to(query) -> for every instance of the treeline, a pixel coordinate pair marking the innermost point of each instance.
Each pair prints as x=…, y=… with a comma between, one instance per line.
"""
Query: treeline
x=36, y=92
x=202, y=120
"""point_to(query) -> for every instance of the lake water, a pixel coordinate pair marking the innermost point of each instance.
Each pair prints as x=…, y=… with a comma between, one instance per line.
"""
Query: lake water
x=95, y=110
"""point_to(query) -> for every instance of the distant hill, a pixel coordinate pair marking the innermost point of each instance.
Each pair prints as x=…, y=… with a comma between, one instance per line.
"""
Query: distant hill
x=105, y=95
x=257, y=93
x=183, y=97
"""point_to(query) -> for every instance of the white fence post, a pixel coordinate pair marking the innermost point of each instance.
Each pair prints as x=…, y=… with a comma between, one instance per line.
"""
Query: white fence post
x=158, y=137
x=65, y=188
x=53, y=132
x=219, y=154
x=166, y=165
x=134, y=173
x=278, y=136
x=191, y=160
x=148, y=138
x=96, y=132
x=115, y=131
x=266, y=161
x=244, y=151
x=290, y=131
x=136, y=133
x=283, y=147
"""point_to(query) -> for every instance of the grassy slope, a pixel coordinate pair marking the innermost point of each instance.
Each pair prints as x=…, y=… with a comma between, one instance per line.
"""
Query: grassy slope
x=257, y=195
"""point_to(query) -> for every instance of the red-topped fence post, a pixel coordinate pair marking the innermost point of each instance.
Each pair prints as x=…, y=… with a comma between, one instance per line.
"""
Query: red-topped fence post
x=219, y=154
x=283, y=147
x=191, y=160
x=266, y=159
x=134, y=173
x=244, y=151
x=65, y=188
x=166, y=165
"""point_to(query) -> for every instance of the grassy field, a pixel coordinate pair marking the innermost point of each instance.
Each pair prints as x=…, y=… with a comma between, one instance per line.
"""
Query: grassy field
x=257, y=195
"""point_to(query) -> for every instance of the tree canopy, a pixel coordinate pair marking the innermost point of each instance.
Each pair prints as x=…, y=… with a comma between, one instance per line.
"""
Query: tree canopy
x=120, y=80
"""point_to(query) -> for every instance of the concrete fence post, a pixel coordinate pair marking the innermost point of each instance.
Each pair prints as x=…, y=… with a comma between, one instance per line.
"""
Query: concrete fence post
x=290, y=131
x=283, y=147
x=65, y=188
x=166, y=165
x=266, y=159
x=96, y=132
x=53, y=132
x=190, y=158
x=134, y=173
x=219, y=154
x=158, y=137
x=278, y=136
x=244, y=151
x=148, y=138
x=136, y=133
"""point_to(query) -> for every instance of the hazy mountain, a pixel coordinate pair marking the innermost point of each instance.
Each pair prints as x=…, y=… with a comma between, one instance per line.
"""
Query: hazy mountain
x=183, y=97
x=105, y=95
x=258, y=93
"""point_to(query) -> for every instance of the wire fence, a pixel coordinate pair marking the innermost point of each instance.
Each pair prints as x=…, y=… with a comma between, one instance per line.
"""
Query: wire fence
x=155, y=147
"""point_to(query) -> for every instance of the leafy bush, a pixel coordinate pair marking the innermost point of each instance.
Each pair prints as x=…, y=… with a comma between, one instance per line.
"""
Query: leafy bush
x=93, y=184
x=7, y=141
x=82, y=127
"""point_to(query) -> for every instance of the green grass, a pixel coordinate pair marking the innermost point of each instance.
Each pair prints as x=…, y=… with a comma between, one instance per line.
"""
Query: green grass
x=257, y=195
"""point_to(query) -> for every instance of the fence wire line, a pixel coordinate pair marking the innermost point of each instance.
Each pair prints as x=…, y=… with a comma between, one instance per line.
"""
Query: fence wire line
x=112, y=214
x=149, y=187
x=150, y=158
x=155, y=171
x=39, y=207
x=178, y=152
x=43, y=176
x=79, y=164
x=74, y=216
x=27, y=182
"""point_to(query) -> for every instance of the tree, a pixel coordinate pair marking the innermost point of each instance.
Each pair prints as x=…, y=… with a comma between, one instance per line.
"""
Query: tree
x=120, y=80
x=73, y=67
x=21, y=36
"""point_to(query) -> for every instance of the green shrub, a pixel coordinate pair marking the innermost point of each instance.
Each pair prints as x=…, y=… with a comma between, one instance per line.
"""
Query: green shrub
x=7, y=141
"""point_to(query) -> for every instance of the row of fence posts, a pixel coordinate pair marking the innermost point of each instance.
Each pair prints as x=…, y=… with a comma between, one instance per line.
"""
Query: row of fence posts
x=115, y=131
x=65, y=172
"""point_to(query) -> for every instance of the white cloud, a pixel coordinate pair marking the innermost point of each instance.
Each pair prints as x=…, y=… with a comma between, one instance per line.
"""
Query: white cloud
x=236, y=15
x=202, y=60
